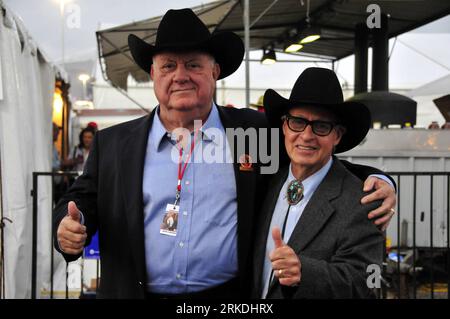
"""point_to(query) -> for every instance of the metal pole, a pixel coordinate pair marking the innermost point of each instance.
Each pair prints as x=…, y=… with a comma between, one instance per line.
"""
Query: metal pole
x=51, y=241
x=2, y=238
x=62, y=4
x=414, y=236
x=247, y=51
x=63, y=124
x=431, y=237
x=34, y=237
x=398, y=239
x=380, y=56
x=263, y=13
x=82, y=277
x=84, y=90
x=98, y=275
x=361, y=58
x=448, y=236
x=67, y=278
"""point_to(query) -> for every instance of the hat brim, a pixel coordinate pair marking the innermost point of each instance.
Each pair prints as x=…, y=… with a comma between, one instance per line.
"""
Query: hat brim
x=354, y=116
x=226, y=48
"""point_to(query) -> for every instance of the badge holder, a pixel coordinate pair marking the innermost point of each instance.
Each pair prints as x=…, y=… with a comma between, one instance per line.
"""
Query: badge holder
x=169, y=223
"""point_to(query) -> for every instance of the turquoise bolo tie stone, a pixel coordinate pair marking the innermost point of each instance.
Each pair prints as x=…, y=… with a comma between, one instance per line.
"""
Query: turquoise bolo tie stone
x=294, y=192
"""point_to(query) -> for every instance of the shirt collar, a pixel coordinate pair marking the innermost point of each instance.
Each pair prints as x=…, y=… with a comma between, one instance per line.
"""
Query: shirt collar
x=311, y=183
x=213, y=122
x=158, y=132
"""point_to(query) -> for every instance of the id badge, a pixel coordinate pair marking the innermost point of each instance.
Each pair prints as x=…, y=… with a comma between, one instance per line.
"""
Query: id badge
x=170, y=221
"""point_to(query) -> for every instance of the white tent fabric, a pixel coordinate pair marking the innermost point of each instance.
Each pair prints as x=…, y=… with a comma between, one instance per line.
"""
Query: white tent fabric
x=438, y=87
x=25, y=147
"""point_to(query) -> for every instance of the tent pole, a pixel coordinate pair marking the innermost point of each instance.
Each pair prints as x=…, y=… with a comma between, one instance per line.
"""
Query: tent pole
x=2, y=252
x=247, y=51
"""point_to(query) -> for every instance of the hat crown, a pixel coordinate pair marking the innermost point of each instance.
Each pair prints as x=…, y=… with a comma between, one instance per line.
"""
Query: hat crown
x=317, y=86
x=320, y=87
x=181, y=26
x=182, y=31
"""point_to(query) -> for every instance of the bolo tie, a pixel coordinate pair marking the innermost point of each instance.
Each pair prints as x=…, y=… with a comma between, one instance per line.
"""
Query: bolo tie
x=294, y=194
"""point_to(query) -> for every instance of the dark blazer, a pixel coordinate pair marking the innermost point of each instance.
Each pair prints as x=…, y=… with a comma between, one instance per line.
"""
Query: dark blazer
x=334, y=239
x=109, y=193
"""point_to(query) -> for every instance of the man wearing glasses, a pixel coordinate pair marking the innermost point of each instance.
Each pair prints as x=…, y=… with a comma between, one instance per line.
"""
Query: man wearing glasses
x=315, y=239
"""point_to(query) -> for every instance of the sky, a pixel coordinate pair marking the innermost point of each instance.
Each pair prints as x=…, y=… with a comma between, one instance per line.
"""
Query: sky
x=43, y=20
x=409, y=68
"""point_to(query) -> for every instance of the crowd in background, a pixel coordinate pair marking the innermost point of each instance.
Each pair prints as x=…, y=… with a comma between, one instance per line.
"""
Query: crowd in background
x=435, y=126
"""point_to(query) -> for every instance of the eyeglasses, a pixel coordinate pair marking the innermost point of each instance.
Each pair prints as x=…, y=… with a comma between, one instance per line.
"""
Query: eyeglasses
x=299, y=124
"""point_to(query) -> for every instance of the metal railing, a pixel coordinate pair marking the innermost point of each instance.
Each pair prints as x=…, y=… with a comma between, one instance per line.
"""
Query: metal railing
x=416, y=258
x=34, y=194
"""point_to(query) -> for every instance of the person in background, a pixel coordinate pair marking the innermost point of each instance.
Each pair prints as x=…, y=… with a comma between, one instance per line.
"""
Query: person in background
x=93, y=125
x=259, y=105
x=56, y=162
x=445, y=126
x=80, y=152
x=433, y=126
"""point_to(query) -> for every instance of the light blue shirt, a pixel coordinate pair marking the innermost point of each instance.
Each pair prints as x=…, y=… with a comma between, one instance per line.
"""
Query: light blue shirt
x=203, y=253
x=310, y=185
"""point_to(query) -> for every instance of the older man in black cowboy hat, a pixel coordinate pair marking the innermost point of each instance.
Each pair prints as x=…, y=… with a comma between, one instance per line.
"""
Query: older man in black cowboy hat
x=132, y=182
x=314, y=238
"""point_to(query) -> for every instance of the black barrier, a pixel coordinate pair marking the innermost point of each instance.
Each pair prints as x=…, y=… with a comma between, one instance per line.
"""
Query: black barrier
x=398, y=279
x=34, y=194
x=423, y=257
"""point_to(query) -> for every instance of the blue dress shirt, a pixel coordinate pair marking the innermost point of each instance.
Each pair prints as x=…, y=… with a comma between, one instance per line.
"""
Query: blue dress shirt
x=203, y=253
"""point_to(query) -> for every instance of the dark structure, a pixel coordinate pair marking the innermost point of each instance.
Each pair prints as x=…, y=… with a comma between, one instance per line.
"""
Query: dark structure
x=389, y=108
x=386, y=107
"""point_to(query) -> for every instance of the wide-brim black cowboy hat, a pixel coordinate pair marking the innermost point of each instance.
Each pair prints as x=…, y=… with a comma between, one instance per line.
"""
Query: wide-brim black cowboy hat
x=181, y=31
x=320, y=87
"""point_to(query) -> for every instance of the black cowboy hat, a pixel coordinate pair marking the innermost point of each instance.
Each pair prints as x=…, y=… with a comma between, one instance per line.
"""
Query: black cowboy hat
x=181, y=30
x=320, y=87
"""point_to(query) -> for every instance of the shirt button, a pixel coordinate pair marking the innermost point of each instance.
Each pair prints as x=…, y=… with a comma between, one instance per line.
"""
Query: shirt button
x=185, y=213
x=181, y=244
x=187, y=183
x=178, y=276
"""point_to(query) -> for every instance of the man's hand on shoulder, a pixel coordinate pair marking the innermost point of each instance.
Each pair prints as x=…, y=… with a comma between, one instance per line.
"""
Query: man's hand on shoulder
x=382, y=191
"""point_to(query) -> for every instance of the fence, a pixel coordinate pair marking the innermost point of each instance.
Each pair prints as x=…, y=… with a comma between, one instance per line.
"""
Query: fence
x=411, y=254
x=423, y=201
x=34, y=194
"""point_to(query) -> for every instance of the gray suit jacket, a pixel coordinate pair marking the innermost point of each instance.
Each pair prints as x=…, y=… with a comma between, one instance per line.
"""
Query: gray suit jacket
x=334, y=239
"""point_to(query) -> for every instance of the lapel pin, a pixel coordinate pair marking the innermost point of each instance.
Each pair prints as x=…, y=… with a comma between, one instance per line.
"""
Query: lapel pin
x=246, y=163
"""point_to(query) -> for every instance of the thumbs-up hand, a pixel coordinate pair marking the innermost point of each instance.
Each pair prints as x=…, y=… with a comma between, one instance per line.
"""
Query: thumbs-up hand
x=276, y=236
x=285, y=263
x=71, y=234
x=73, y=212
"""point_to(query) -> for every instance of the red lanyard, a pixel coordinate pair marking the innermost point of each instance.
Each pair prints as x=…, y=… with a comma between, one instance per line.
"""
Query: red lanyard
x=182, y=168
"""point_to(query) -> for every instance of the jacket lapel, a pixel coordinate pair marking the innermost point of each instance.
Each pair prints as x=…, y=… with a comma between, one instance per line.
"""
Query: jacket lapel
x=318, y=210
x=245, y=191
x=268, y=207
x=133, y=148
